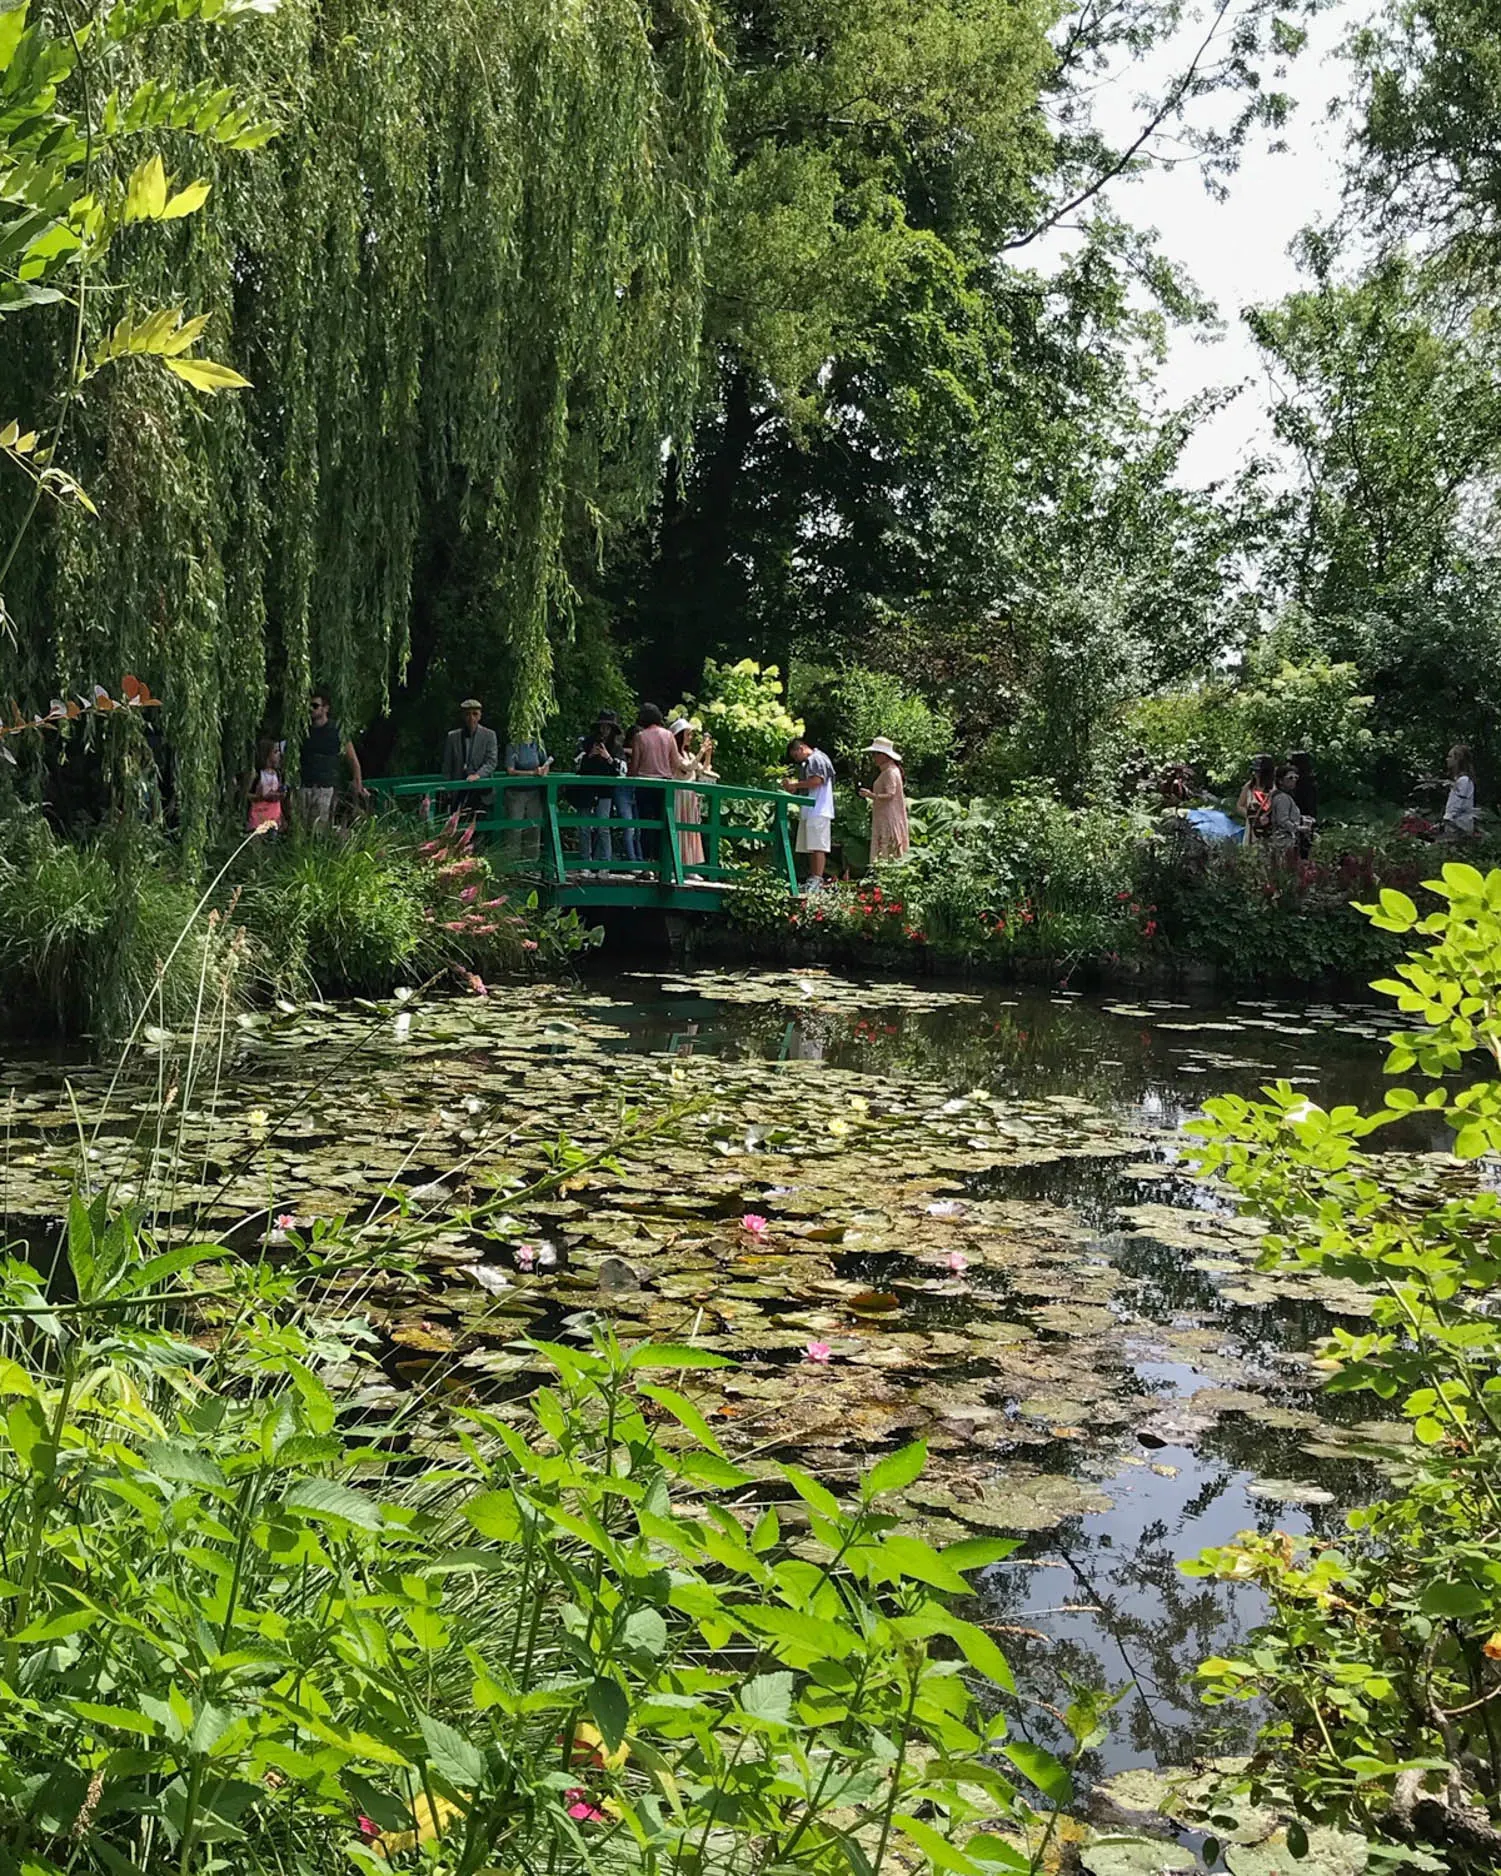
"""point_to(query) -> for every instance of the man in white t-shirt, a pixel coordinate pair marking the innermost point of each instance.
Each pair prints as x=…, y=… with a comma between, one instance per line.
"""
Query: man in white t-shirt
x=815, y=825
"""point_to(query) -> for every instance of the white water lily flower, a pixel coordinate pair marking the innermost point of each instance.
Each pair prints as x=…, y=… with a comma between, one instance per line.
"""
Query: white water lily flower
x=488, y=1277
x=403, y=1026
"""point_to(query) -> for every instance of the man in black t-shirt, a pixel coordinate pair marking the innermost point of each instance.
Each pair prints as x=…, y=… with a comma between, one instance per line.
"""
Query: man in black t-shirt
x=324, y=746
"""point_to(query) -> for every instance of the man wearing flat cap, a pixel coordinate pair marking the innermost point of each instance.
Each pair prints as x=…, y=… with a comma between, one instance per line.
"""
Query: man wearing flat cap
x=471, y=752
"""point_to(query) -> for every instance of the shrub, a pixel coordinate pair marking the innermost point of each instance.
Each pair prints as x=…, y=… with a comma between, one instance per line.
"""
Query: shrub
x=365, y=910
x=245, y=1630
x=1381, y=1658
x=94, y=931
x=1275, y=707
x=847, y=707
x=742, y=708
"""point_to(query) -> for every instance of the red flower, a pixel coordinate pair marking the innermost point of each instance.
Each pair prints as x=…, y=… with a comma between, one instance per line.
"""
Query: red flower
x=1149, y=930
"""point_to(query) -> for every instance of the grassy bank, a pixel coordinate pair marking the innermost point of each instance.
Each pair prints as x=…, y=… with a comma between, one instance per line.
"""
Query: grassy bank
x=95, y=931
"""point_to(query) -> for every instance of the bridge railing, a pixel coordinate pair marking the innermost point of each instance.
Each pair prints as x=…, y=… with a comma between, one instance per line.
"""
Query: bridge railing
x=529, y=819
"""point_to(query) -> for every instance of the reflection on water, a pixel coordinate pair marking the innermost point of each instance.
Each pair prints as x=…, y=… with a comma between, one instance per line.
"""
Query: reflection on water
x=1101, y=1599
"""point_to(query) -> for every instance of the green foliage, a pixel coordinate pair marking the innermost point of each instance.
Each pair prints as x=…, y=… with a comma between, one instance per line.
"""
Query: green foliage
x=75, y=177
x=380, y=906
x=844, y=707
x=1380, y=1655
x=467, y=283
x=243, y=1627
x=93, y=931
x=1274, y=706
x=742, y=708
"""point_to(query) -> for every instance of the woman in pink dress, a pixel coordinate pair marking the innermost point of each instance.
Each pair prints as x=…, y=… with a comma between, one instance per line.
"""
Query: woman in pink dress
x=889, y=839
x=688, y=807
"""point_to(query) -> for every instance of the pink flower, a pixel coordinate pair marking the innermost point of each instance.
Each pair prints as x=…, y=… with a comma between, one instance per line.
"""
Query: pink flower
x=477, y=985
x=430, y=846
x=469, y=894
x=580, y=1807
x=754, y=1223
x=454, y=924
x=528, y=944
x=957, y=1261
x=526, y=1256
x=819, y=1353
x=451, y=825
x=490, y=904
x=285, y=1221
x=367, y=1826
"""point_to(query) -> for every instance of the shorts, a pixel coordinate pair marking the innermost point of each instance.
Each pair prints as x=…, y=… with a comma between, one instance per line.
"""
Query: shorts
x=814, y=832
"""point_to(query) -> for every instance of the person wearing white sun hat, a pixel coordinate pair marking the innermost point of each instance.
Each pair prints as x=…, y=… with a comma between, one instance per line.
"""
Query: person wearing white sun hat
x=889, y=838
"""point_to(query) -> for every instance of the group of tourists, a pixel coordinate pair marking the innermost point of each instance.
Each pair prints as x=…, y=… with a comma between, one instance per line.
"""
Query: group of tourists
x=613, y=759
x=617, y=757
x=1280, y=805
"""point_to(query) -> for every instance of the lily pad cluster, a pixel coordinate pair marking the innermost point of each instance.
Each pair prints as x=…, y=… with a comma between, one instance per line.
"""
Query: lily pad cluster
x=877, y=1253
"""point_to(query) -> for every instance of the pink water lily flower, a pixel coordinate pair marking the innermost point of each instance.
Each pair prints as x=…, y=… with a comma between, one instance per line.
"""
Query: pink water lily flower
x=285, y=1221
x=957, y=1261
x=754, y=1223
x=820, y=1353
x=526, y=1256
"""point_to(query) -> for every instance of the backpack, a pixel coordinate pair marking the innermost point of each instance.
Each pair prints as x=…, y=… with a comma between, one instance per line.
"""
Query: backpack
x=1259, y=814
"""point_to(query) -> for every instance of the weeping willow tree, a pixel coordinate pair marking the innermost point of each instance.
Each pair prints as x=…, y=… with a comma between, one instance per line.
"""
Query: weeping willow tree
x=465, y=282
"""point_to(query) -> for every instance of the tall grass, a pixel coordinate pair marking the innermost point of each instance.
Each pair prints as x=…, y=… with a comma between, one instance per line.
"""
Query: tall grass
x=92, y=928
x=87, y=930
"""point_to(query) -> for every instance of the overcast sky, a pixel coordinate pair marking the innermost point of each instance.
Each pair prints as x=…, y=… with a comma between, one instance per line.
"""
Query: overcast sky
x=1237, y=250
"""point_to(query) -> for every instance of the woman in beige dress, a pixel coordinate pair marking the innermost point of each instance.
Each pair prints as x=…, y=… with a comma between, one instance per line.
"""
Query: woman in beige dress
x=693, y=765
x=889, y=838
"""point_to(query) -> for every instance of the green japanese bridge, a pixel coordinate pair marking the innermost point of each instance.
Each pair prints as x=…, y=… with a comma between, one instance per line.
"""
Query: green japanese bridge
x=533, y=828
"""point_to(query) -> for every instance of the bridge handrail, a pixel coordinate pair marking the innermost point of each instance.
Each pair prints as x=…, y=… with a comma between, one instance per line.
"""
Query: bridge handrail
x=575, y=873
x=417, y=785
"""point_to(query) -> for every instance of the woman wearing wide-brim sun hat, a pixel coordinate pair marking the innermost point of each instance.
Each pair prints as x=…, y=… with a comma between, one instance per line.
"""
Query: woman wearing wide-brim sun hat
x=889, y=838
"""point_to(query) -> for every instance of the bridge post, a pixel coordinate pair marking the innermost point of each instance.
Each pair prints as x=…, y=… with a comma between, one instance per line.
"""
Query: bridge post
x=555, y=833
x=784, y=831
x=674, y=854
x=711, y=836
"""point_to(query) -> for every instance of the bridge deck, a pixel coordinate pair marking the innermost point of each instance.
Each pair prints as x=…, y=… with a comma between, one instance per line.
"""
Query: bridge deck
x=536, y=829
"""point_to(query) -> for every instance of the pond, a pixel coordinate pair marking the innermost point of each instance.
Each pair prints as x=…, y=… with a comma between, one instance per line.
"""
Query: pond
x=903, y=1211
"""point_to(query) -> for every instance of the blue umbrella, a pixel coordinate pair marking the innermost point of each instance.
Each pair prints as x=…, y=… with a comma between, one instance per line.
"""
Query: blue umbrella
x=1215, y=824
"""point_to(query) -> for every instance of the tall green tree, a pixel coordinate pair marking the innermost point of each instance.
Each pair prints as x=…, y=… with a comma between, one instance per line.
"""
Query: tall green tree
x=1388, y=399
x=466, y=284
x=878, y=358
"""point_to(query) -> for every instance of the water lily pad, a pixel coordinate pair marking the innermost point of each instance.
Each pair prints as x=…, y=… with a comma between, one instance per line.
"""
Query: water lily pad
x=1135, y=1856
